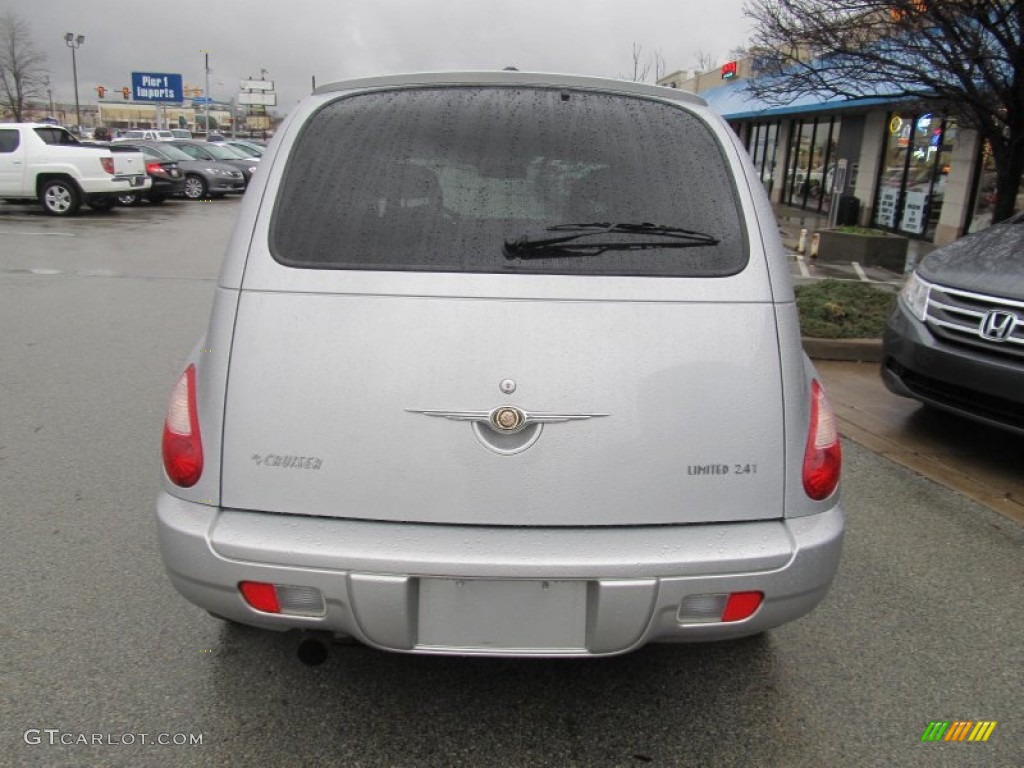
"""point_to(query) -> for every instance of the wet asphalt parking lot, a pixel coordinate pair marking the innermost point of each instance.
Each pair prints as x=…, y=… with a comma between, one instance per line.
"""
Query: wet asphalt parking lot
x=923, y=623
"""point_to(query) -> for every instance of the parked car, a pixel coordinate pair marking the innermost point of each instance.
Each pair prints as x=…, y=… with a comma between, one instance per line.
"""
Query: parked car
x=203, y=150
x=245, y=148
x=956, y=338
x=167, y=177
x=181, y=133
x=144, y=135
x=46, y=164
x=201, y=179
x=519, y=375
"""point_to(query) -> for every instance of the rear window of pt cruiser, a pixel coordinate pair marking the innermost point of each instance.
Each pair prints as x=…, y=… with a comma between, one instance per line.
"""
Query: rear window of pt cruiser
x=508, y=180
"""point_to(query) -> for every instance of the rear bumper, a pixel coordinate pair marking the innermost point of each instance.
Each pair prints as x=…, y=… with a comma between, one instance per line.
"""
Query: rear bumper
x=373, y=576
x=166, y=187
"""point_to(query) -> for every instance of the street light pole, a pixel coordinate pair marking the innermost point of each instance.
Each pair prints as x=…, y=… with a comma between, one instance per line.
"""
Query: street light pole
x=206, y=104
x=49, y=93
x=74, y=42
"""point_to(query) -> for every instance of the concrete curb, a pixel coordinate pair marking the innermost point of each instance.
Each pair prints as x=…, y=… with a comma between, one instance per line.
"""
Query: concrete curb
x=858, y=350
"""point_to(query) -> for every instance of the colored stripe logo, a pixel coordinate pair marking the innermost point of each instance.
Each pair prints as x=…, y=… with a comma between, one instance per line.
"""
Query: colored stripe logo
x=959, y=730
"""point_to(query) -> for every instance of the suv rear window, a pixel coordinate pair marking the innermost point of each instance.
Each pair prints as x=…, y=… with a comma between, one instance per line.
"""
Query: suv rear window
x=56, y=136
x=440, y=179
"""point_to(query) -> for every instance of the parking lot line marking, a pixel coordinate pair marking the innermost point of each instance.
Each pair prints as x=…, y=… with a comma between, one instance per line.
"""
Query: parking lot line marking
x=40, y=234
x=860, y=272
x=804, y=271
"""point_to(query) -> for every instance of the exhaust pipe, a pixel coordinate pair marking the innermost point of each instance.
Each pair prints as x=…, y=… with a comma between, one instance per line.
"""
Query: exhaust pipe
x=314, y=647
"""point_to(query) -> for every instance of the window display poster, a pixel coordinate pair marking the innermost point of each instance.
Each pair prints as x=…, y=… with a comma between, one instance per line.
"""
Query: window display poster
x=886, y=215
x=912, y=220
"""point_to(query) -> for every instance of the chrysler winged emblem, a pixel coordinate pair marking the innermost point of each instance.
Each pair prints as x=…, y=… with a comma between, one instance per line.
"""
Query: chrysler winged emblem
x=507, y=419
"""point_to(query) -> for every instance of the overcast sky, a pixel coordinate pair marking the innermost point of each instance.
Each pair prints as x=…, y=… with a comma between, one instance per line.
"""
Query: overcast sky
x=294, y=40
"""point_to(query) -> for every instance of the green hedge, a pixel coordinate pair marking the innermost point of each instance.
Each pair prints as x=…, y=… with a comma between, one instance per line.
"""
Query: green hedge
x=843, y=309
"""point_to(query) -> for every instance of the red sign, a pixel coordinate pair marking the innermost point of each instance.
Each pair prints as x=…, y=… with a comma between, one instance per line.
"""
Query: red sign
x=729, y=70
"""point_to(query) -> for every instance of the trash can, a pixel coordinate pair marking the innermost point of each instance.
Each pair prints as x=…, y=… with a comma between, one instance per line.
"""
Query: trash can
x=848, y=211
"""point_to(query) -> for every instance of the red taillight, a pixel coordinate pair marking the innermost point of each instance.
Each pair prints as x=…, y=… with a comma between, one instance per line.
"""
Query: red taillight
x=182, y=446
x=262, y=597
x=822, y=457
x=741, y=605
x=108, y=164
x=155, y=168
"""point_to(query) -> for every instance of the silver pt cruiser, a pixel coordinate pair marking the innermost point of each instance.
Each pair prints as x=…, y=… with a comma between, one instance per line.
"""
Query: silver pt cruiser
x=508, y=364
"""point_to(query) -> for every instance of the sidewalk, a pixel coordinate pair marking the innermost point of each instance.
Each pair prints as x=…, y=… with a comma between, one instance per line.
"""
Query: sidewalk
x=976, y=461
x=792, y=220
x=979, y=462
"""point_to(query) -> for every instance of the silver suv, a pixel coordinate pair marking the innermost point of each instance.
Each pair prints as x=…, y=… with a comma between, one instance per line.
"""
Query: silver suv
x=502, y=363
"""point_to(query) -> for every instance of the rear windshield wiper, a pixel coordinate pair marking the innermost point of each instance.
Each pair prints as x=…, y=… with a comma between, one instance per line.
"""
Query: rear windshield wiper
x=563, y=245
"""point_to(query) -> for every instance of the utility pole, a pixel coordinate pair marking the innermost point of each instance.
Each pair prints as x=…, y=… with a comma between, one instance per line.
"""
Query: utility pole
x=74, y=42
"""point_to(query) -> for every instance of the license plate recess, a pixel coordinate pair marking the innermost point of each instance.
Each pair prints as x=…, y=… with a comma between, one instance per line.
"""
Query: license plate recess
x=509, y=614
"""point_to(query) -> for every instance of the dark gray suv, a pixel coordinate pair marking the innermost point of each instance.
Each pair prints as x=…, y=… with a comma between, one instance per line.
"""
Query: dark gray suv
x=956, y=338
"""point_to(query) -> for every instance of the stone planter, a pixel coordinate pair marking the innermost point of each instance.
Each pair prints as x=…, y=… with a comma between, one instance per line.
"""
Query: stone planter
x=881, y=250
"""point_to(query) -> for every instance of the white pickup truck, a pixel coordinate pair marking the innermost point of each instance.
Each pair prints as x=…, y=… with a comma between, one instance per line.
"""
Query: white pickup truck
x=46, y=163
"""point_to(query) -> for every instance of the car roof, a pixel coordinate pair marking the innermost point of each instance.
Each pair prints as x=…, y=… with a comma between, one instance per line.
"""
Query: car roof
x=505, y=77
x=34, y=125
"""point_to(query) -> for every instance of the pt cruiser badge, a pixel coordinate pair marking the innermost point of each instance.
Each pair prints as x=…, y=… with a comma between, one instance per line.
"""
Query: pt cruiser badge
x=507, y=419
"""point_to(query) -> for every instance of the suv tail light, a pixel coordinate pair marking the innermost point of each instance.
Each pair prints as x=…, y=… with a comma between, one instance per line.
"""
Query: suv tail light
x=182, y=445
x=108, y=164
x=156, y=168
x=823, y=456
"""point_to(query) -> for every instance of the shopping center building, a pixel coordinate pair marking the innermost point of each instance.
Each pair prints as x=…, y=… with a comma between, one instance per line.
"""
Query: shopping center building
x=883, y=163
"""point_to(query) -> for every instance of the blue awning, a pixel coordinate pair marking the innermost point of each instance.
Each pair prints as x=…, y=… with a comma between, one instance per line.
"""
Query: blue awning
x=735, y=102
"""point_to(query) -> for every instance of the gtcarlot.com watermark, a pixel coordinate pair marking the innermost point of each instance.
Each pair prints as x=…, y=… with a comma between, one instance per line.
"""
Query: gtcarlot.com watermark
x=55, y=736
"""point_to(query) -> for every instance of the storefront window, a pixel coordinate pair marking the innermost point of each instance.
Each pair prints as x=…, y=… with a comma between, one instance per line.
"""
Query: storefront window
x=912, y=186
x=810, y=167
x=985, y=194
x=761, y=145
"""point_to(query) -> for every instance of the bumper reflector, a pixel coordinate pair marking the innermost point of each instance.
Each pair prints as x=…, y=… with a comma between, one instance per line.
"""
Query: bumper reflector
x=283, y=598
x=742, y=605
x=262, y=597
x=721, y=607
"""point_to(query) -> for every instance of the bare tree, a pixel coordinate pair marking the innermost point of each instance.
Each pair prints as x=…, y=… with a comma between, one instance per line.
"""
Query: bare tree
x=705, y=60
x=642, y=65
x=658, y=62
x=641, y=68
x=963, y=57
x=22, y=66
x=739, y=52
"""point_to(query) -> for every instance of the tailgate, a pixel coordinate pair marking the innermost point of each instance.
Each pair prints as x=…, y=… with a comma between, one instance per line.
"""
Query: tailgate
x=132, y=163
x=375, y=407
